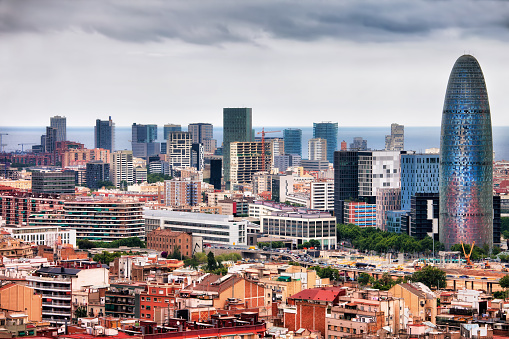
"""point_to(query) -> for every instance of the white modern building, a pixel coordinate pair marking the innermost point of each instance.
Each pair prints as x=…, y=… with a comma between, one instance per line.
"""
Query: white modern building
x=178, y=149
x=122, y=167
x=322, y=195
x=43, y=235
x=213, y=228
x=317, y=149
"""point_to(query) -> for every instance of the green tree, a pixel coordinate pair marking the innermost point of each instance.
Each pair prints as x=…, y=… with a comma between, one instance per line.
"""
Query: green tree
x=363, y=279
x=106, y=184
x=315, y=243
x=85, y=244
x=211, y=261
x=430, y=276
x=176, y=254
x=107, y=257
x=384, y=283
x=80, y=312
x=157, y=177
x=504, y=281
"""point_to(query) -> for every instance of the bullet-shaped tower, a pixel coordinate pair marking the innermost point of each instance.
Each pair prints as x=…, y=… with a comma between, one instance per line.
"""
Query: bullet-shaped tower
x=466, y=158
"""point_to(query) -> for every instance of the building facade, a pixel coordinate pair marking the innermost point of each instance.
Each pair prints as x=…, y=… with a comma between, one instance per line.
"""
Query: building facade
x=237, y=126
x=179, y=149
x=60, y=123
x=466, y=163
x=104, y=134
x=387, y=199
x=168, y=241
x=396, y=140
x=329, y=132
x=419, y=174
x=317, y=149
x=246, y=160
x=97, y=172
x=122, y=169
x=359, y=213
x=322, y=195
x=201, y=132
x=54, y=182
x=293, y=141
x=182, y=193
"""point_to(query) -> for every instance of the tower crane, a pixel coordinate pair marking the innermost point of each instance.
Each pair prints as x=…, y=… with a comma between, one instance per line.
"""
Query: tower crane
x=26, y=143
x=1, y=144
x=467, y=256
x=263, y=132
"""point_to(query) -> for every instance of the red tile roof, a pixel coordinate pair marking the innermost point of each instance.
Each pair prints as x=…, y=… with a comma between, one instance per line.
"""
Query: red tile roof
x=318, y=294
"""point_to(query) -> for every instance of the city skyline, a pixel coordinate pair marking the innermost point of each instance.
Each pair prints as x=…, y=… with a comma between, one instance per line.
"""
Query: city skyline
x=166, y=61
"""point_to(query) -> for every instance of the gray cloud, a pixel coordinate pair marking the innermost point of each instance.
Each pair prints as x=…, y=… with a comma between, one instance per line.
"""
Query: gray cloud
x=221, y=21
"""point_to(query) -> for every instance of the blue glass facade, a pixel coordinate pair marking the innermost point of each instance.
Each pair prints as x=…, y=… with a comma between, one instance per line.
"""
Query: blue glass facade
x=419, y=174
x=329, y=132
x=466, y=165
x=293, y=141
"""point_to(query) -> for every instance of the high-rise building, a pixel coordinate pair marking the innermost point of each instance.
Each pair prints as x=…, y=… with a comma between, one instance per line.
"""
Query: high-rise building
x=246, y=159
x=466, y=164
x=329, y=132
x=143, y=141
x=395, y=141
x=122, y=171
x=182, y=193
x=343, y=146
x=216, y=171
x=322, y=195
x=200, y=132
x=293, y=141
x=237, y=126
x=60, y=123
x=96, y=172
x=387, y=199
x=346, y=180
x=168, y=128
x=359, y=144
x=104, y=134
x=50, y=141
x=317, y=149
x=179, y=149
x=197, y=156
x=282, y=162
x=419, y=174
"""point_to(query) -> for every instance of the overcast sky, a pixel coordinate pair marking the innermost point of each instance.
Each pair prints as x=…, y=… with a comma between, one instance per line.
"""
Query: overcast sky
x=294, y=62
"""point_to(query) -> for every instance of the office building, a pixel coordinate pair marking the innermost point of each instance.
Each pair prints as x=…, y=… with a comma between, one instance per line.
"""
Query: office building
x=315, y=165
x=201, y=132
x=168, y=128
x=60, y=123
x=50, y=140
x=387, y=199
x=216, y=173
x=140, y=174
x=419, y=174
x=97, y=172
x=209, y=146
x=100, y=221
x=81, y=156
x=346, y=180
x=179, y=146
x=212, y=228
x=322, y=195
x=41, y=233
x=237, y=127
x=281, y=187
x=283, y=162
x=143, y=141
x=122, y=170
x=466, y=164
x=359, y=144
x=317, y=149
x=197, y=156
x=293, y=141
x=397, y=221
x=262, y=183
x=343, y=146
x=329, y=132
x=424, y=215
x=301, y=226
x=182, y=193
x=277, y=146
x=246, y=160
x=395, y=141
x=358, y=213
x=104, y=134
x=54, y=182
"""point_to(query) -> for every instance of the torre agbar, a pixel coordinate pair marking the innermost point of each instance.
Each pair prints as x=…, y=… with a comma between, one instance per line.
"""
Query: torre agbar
x=466, y=164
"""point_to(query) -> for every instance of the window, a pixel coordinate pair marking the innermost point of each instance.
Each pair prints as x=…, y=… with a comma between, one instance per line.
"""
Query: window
x=161, y=292
x=329, y=327
x=142, y=298
x=153, y=291
x=148, y=308
x=148, y=298
x=142, y=307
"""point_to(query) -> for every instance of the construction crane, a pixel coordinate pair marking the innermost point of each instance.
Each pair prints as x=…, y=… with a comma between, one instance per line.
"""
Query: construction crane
x=263, y=145
x=1, y=144
x=467, y=256
x=26, y=143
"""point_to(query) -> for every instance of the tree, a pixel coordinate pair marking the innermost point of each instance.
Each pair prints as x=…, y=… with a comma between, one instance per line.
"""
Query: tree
x=363, y=279
x=211, y=261
x=107, y=257
x=315, y=243
x=80, y=312
x=176, y=254
x=384, y=283
x=105, y=184
x=85, y=244
x=157, y=177
x=430, y=276
x=504, y=281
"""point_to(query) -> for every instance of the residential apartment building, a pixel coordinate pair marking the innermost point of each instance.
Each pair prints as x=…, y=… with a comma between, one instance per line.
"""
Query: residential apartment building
x=317, y=149
x=16, y=297
x=60, y=124
x=105, y=220
x=15, y=208
x=122, y=300
x=322, y=195
x=396, y=140
x=80, y=157
x=156, y=301
x=97, y=172
x=122, y=170
x=56, y=286
x=182, y=193
x=246, y=160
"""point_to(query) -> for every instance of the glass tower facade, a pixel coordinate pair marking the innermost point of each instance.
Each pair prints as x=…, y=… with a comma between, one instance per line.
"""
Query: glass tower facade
x=466, y=164
x=329, y=132
x=104, y=134
x=293, y=141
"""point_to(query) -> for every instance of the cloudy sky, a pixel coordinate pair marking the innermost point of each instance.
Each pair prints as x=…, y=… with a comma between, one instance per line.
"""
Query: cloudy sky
x=294, y=62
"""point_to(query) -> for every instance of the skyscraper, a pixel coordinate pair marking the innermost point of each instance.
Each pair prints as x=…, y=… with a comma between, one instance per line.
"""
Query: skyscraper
x=395, y=141
x=60, y=123
x=237, y=126
x=168, y=128
x=317, y=149
x=419, y=174
x=329, y=132
x=466, y=164
x=200, y=132
x=104, y=134
x=359, y=144
x=122, y=171
x=293, y=141
x=143, y=141
x=178, y=149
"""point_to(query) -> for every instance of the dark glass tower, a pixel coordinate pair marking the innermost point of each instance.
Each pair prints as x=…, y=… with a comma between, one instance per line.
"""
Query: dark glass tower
x=104, y=134
x=237, y=126
x=293, y=141
x=466, y=164
x=329, y=132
